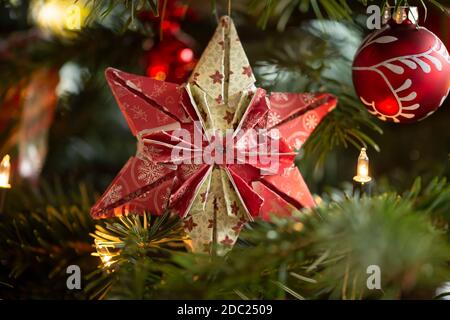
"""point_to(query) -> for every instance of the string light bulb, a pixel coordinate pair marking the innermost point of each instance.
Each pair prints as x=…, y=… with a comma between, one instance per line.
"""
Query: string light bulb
x=5, y=170
x=59, y=16
x=362, y=169
x=103, y=252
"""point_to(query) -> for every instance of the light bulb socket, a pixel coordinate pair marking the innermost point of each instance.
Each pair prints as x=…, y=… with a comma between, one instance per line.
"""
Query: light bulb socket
x=2, y=199
x=361, y=189
x=400, y=14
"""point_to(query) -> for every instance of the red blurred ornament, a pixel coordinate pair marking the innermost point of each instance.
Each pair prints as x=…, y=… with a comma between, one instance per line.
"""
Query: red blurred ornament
x=171, y=58
x=158, y=71
x=170, y=27
x=186, y=55
x=402, y=72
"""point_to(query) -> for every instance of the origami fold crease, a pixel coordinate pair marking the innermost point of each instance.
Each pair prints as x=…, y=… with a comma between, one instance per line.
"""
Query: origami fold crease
x=215, y=200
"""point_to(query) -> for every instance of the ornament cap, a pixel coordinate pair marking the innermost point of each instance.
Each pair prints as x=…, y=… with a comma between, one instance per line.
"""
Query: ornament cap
x=401, y=15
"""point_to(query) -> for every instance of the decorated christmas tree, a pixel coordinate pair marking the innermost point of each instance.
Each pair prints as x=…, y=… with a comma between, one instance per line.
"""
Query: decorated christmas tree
x=170, y=149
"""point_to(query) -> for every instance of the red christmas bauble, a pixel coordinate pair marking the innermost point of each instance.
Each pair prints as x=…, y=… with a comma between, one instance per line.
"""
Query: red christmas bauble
x=402, y=72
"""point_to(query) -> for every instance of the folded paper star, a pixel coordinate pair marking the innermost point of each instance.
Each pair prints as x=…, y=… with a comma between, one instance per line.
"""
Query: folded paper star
x=217, y=151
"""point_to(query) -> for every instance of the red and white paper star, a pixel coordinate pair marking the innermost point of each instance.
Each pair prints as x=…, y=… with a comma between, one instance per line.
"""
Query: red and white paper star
x=214, y=199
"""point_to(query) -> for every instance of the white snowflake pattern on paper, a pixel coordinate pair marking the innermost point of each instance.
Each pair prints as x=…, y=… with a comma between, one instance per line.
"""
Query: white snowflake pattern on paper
x=138, y=113
x=280, y=96
x=160, y=119
x=308, y=98
x=148, y=171
x=159, y=89
x=310, y=121
x=144, y=195
x=274, y=119
x=114, y=194
x=150, y=151
x=189, y=169
x=161, y=201
x=121, y=91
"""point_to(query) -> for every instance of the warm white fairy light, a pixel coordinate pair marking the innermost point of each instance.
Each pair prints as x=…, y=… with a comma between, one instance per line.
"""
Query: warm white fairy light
x=5, y=170
x=362, y=169
x=50, y=13
x=104, y=253
x=58, y=16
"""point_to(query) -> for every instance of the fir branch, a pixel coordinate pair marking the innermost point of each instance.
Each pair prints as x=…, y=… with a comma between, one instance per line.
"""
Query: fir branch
x=377, y=232
x=320, y=253
x=132, y=250
x=293, y=66
x=332, y=9
x=433, y=200
x=104, y=8
x=42, y=232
